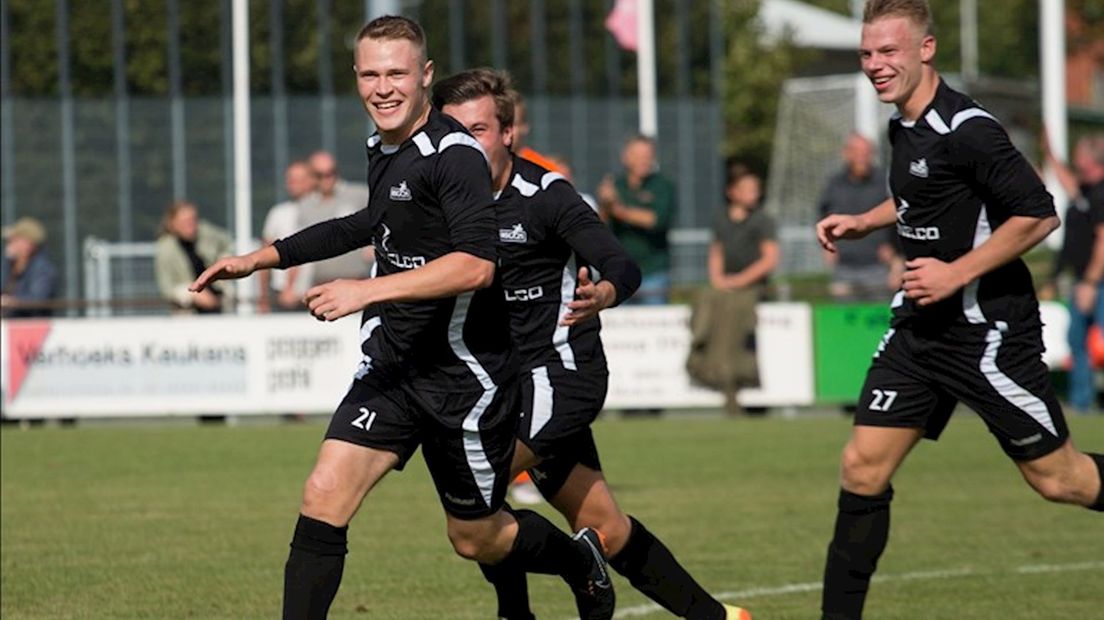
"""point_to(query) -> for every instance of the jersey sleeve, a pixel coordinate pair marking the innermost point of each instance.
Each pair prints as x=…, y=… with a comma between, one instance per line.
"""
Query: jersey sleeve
x=577, y=224
x=326, y=239
x=463, y=182
x=1000, y=173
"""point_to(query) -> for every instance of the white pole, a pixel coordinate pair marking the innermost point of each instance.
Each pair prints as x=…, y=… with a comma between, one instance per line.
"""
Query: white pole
x=1052, y=49
x=866, y=109
x=968, y=35
x=646, y=68
x=243, y=174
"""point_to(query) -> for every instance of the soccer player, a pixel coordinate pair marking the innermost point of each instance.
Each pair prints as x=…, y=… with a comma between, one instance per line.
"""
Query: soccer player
x=550, y=244
x=966, y=323
x=438, y=368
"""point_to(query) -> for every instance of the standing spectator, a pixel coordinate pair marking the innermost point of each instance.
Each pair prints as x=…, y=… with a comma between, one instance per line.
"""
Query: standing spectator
x=742, y=256
x=334, y=197
x=186, y=247
x=867, y=269
x=282, y=221
x=1083, y=255
x=29, y=278
x=639, y=206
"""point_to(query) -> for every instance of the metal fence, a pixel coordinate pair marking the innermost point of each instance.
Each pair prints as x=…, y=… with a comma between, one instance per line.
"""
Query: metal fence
x=105, y=167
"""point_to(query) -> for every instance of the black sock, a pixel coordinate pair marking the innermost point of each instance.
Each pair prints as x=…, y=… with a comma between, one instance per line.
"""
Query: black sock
x=511, y=589
x=651, y=568
x=862, y=529
x=313, y=570
x=541, y=547
x=1098, y=505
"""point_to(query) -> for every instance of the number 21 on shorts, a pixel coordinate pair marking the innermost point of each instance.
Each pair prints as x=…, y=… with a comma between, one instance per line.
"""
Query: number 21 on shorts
x=883, y=399
x=364, y=422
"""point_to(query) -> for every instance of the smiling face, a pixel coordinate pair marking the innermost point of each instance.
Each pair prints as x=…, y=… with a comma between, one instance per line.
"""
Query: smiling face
x=896, y=56
x=393, y=78
x=479, y=118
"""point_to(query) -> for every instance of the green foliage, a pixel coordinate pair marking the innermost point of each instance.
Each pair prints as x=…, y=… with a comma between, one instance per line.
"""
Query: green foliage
x=184, y=522
x=753, y=77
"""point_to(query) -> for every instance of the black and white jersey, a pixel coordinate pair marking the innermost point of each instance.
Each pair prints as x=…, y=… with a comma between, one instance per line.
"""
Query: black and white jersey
x=955, y=178
x=429, y=196
x=546, y=232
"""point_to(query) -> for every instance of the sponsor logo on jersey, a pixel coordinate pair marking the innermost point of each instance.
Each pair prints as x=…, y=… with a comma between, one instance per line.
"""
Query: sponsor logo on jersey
x=516, y=234
x=919, y=168
x=401, y=261
x=902, y=208
x=917, y=233
x=525, y=294
x=400, y=192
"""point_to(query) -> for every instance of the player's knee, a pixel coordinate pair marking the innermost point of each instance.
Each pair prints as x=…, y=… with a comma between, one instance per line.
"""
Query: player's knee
x=319, y=492
x=861, y=474
x=470, y=544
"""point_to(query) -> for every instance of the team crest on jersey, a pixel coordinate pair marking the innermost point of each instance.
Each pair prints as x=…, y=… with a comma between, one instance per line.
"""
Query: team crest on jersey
x=919, y=168
x=516, y=234
x=400, y=192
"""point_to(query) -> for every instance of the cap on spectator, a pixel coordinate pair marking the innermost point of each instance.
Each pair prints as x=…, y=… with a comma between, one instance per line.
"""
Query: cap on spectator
x=27, y=227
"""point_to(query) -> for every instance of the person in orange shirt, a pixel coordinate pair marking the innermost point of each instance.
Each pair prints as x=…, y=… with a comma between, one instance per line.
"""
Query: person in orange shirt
x=521, y=134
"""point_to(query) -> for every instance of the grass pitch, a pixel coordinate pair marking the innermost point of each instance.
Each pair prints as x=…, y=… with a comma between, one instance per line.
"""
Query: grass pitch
x=194, y=522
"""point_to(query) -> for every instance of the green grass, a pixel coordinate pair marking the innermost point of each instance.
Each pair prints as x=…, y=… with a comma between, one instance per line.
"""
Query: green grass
x=193, y=522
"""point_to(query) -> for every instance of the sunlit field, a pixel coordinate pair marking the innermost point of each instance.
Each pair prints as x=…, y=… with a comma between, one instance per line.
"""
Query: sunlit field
x=170, y=521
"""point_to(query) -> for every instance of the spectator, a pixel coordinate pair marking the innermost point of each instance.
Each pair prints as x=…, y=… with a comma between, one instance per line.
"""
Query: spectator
x=282, y=221
x=29, y=279
x=742, y=256
x=867, y=269
x=1083, y=255
x=334, y=197
x=186, y=247
x=639, y=206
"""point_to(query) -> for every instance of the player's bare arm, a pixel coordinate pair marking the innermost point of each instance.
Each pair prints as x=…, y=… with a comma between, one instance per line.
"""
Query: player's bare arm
x=929, y=280
x=234, y=267
x=447, y=276
x=840, y=226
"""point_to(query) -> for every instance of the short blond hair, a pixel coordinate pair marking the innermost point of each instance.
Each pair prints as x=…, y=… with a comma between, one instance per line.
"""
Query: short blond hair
x=393, y=27
x=916, y=11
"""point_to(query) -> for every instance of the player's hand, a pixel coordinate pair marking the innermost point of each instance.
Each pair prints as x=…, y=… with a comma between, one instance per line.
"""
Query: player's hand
x=340, y=298
x=207, y=300
x=838, y=226
x=928, y=280
x=590, y=299
x=229, y=268
x=288, y=299
x=607, y=192
x=1084, y=297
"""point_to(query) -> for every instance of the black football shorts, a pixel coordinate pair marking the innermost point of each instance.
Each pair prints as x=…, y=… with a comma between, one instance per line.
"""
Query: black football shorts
x=467, y=438
x=916, y=380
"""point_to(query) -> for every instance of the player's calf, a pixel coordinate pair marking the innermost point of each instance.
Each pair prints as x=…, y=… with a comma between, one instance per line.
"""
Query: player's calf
x=1067, y=476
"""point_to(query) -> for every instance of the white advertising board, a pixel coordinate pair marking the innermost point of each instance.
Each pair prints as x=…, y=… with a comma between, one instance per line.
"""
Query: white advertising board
x=647, y=347
x=176, y=365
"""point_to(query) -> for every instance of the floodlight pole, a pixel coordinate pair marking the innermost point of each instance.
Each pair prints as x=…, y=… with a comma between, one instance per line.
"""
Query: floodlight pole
x=243, y=174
